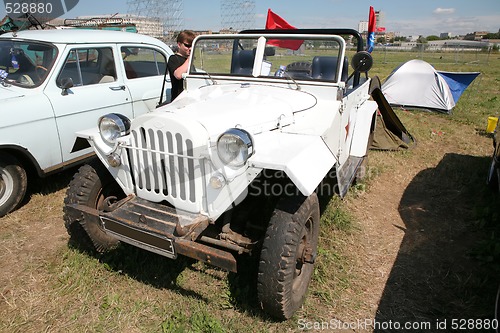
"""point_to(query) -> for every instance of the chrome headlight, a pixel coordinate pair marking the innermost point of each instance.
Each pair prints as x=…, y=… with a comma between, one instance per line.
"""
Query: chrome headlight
x=235, y=147
x=112, y=126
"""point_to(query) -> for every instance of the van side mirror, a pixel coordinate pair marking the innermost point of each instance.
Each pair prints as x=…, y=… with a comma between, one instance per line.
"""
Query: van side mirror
x=66, y=83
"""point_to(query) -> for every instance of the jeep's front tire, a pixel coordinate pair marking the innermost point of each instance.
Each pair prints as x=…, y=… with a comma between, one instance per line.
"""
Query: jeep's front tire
x=90, y=186
x=287, y=257
x=13, y=183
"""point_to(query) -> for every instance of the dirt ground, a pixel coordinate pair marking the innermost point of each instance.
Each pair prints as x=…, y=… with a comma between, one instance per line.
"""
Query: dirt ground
x=419, y=227
x=416, y=229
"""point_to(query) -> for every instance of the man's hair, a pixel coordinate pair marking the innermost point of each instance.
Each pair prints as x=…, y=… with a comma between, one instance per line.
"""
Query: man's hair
x=186, y=36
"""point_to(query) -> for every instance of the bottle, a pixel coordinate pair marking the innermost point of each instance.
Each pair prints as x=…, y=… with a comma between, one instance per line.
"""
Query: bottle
x=281, y=71
x=14, y=62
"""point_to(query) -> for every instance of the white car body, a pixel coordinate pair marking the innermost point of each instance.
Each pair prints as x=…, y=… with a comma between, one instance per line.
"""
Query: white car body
x=38, y=120
x=235, y=164
x=304, y=128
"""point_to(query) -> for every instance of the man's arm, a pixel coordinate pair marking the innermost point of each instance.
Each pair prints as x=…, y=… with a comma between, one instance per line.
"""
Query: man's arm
x=181, y=70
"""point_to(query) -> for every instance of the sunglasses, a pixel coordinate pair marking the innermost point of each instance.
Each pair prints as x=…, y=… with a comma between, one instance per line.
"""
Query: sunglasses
x=187, y=45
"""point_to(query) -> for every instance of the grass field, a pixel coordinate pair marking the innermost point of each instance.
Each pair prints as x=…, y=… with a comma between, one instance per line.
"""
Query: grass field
x=364, y=265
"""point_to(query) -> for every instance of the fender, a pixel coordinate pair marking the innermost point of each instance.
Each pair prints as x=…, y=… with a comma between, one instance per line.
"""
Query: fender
x=361, y=134
x=26, y=158
x=305, y=159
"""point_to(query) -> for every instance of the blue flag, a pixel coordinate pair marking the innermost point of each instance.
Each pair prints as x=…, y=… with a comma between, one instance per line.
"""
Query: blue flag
x=371, y=31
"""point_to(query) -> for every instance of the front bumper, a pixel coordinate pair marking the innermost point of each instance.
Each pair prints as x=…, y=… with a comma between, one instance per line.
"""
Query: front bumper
x=157, y=228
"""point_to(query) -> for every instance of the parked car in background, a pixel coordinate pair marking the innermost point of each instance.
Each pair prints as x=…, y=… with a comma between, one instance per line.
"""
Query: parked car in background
x=54, y=83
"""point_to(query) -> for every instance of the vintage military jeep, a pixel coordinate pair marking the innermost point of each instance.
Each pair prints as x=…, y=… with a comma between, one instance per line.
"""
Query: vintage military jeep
x=233, y=165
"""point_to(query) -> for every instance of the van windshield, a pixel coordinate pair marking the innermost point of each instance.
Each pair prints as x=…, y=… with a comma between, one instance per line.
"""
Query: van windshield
x=26, y=63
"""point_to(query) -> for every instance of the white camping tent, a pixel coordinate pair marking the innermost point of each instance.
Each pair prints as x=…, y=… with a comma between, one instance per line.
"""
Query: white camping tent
x=416, y=84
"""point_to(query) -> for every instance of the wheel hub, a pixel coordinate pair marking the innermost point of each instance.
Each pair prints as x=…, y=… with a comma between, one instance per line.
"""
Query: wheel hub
x=6, y=186
x=308, y=255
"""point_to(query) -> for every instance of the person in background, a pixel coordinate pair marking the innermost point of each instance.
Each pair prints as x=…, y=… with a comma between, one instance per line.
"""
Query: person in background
x=178, y=63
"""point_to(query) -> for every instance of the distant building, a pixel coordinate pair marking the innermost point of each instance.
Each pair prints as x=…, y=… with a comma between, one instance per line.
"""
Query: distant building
x=363, y=27
x=380, y=18
x=445, y=35
x=146, y=26
x=477, y=35
x=227, y=31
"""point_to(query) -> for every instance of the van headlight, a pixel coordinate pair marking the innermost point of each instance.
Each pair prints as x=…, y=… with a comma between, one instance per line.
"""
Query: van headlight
x=112, y=126
x=235, y=147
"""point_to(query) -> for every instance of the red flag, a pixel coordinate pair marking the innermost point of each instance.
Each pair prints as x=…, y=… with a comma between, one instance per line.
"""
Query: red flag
x=275, y=22
x=371, y=31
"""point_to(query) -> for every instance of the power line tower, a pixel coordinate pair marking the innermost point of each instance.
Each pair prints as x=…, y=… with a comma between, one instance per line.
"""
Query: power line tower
x=237, y=14
x=167, y=12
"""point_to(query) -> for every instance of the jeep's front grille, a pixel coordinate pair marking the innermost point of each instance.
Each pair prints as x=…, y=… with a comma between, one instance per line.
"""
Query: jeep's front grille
x=163, y=166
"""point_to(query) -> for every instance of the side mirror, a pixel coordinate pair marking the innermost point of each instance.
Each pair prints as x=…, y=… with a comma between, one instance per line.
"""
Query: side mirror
x=362, y=61
x=66, y=83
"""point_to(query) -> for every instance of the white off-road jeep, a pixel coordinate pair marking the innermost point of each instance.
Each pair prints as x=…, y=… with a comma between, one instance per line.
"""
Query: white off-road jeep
x=232, y=167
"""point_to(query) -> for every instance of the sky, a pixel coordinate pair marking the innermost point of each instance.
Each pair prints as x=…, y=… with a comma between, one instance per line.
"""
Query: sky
x=406, y=17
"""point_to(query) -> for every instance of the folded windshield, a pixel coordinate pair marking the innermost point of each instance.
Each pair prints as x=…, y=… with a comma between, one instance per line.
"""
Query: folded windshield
x=287, y=57
x=25, y=63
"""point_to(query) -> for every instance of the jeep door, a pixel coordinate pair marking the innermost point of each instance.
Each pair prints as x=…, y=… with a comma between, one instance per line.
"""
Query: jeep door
x=86, y=85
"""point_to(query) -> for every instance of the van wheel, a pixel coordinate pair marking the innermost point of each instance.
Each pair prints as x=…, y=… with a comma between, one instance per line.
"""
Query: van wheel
x=288, y=254
x=13, y=183
x=91, y=186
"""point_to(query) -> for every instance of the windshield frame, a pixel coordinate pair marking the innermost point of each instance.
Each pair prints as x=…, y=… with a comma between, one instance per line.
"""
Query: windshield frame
x=35, y=60
x=260, y=52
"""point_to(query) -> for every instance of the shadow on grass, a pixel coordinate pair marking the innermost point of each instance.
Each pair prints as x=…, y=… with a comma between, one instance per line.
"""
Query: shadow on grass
x=146, y=267
x=49, y=184
x=440, y=273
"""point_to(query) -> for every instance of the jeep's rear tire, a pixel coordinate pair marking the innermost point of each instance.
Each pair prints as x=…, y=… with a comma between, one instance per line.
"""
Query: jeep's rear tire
x=90, y=186
x=301, y=66
x=287, y=257
x=13, y=183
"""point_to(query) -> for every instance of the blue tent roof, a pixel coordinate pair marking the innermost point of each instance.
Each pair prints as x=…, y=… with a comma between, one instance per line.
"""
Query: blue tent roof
x=458, y=82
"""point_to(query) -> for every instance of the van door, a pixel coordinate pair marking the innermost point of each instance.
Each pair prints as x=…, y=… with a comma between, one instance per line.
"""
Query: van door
x=97, y=88
x=144, y=69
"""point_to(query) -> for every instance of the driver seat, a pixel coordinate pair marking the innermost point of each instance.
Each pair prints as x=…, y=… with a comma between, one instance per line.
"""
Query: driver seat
x=325, y=68
x=242, y=62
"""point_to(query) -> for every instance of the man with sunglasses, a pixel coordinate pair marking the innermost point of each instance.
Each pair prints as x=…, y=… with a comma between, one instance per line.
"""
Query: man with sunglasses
x=178, y=63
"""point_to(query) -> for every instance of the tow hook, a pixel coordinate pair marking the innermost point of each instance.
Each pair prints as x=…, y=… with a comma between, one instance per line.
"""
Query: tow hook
x=110, y=203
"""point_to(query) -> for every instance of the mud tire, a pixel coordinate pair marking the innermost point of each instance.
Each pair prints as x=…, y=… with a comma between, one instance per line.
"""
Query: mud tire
x=90, y=186
x=13, y=183
x=283, y=276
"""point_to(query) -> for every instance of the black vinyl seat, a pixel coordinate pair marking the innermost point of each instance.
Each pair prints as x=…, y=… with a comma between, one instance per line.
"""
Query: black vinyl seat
x=242, y=62
x=325, y=68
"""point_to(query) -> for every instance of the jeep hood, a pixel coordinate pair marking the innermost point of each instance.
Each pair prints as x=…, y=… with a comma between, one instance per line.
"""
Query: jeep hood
x=255, y=108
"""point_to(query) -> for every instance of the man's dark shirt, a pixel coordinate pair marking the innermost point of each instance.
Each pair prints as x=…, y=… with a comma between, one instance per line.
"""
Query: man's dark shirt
x=175, y=61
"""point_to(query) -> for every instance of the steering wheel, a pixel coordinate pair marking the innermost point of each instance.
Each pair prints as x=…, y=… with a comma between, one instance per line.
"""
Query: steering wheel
x=26, y=80
x=38, y=72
